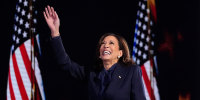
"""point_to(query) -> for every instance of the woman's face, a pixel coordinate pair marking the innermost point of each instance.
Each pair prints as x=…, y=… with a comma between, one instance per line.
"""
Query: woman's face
x=109, y=49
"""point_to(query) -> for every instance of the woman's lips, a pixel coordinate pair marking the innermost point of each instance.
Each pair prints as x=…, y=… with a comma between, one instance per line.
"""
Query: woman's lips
x=106, y=52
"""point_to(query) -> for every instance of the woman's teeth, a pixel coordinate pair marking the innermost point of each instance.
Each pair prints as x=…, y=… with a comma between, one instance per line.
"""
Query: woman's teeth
x=107, y=52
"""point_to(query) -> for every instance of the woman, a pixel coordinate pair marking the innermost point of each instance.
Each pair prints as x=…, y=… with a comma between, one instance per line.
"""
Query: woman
x=115, y=78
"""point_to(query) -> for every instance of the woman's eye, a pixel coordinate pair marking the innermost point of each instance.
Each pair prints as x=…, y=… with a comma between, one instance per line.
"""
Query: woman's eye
x=111, y=42
x=102, y=42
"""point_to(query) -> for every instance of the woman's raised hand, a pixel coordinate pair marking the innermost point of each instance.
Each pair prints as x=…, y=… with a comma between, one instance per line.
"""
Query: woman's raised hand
x=52, y=20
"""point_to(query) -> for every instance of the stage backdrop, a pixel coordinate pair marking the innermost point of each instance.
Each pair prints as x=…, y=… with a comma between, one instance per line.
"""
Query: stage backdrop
x=83, y=22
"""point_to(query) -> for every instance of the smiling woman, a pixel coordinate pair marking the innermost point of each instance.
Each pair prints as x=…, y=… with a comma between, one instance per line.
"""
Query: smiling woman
x=115, y=47
x=117, y=78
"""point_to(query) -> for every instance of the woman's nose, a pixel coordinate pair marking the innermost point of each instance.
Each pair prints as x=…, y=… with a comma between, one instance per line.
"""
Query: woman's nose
x=106, y=45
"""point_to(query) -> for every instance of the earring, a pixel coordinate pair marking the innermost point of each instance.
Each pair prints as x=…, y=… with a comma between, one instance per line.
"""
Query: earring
x=118, y=57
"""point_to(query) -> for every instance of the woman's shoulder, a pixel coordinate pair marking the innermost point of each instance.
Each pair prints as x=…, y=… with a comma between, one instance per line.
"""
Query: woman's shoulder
x=136, y=67
x=130, y=66
x=133, y=68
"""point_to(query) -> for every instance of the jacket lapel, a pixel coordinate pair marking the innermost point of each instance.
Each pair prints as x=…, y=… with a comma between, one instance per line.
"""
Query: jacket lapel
x=117, y=78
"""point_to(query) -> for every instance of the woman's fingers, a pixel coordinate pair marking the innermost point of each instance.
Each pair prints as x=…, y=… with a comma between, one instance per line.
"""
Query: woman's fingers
x=53, y=12
x=47, y=13
x=45, y=16
x=49, y=10
x=56, y=15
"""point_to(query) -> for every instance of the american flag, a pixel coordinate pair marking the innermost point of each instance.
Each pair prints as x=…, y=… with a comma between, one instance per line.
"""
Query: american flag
x=143, y=47
x=24, y=77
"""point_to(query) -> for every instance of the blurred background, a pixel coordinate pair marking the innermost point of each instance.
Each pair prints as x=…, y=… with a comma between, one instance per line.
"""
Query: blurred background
x=82, y=24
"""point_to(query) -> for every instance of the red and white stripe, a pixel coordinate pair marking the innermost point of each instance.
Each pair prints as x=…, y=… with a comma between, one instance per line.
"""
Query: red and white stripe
x=150, y=84
x=21, y=75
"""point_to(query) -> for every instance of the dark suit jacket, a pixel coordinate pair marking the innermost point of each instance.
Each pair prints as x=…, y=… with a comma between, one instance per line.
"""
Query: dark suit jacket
x=126, y=82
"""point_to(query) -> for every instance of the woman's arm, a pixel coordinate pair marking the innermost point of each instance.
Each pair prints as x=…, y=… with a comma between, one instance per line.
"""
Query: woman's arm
x=60, y=56
x=64, y=61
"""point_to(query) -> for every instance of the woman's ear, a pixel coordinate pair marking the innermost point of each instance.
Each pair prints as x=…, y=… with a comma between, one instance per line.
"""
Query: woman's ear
x=120, y=53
